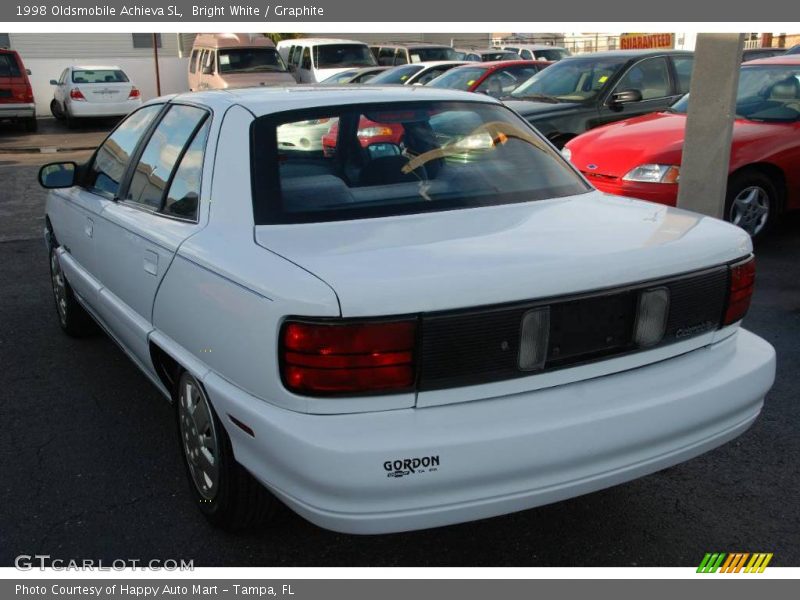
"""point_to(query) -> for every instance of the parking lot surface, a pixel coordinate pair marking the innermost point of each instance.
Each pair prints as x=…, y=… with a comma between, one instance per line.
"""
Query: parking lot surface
x=91, y=466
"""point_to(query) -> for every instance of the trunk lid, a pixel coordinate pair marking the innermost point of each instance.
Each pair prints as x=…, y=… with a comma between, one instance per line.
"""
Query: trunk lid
x=102, y=93
x=493, y=255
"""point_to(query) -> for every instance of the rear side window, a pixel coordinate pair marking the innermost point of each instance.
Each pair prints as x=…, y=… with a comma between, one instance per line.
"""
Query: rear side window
x=193, y=61
x=184, y=191
x=162, y=153
x=683, y=69
x=9, y=66
x=306, y=64
x=386, y=56
x=99, y=76
x=400, y=158
x=113, y=156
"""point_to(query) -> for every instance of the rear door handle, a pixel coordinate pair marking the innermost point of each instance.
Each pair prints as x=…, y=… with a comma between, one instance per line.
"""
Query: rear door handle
x=151, y=262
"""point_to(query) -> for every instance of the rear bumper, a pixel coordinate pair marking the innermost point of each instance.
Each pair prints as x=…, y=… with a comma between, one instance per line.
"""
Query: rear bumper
x=102, y=109
x=500, y=455
x=17, y=111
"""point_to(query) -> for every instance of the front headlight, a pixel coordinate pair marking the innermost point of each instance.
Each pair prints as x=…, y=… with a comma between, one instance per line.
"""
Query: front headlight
x=566, y=153
x=654, y=174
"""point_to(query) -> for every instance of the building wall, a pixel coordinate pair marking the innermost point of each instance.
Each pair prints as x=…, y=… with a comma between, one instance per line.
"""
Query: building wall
x=94, y=45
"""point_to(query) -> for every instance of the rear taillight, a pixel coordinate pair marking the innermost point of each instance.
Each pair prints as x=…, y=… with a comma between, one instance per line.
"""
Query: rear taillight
x=135, y=93
x=740, y=289
x=323, y=358
x=76, y=94
x=28, y=93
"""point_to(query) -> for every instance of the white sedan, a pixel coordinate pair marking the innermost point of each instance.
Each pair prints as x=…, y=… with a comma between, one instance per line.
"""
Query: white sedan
x=437, y=325
x=93, y=91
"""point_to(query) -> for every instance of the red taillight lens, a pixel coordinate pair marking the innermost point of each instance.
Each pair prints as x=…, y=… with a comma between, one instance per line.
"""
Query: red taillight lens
x=28, y=93
x=348, y=358
x=740, y=290
x=76, y=94
x=135, y=93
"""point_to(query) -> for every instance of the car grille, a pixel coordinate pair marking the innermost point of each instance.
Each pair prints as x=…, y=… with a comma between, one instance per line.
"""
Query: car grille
x=481, y=345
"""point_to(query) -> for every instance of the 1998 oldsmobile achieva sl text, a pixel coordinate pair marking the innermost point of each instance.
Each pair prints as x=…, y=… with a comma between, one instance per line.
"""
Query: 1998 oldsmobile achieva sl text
x=390, y=336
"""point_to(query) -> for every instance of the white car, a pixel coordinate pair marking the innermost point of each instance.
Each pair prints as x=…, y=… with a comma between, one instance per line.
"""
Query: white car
x=404, y=334
x=93, y=91
x=415, y=73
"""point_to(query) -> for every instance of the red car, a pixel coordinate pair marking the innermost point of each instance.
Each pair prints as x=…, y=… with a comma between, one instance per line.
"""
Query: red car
x=496, y=79
x=369, y=132
x=641, y=157
x=16, y=94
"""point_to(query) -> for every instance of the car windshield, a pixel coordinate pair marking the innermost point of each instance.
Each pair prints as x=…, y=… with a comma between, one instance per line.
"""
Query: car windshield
x=336, y=56
x=432, y=54
x=766, y=93
x=98, y=76
x=499, y=55
x=369, y=161
x=250, y=60
x=576, y=79
x=396, y=75
x=461, y=78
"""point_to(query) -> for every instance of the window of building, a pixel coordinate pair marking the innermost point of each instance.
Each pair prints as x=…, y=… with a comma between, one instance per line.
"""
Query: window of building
x=145, y=40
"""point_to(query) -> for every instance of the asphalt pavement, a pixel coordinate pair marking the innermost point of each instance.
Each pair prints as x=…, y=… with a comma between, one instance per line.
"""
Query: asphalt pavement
x=91, y=468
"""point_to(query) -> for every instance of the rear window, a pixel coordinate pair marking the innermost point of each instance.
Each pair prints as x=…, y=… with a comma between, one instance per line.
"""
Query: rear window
x=553, y=55
x=334, y=56
x=461, y=78
x=396, y=75
x=9, y=66
x=99, y=76
x=378, y=160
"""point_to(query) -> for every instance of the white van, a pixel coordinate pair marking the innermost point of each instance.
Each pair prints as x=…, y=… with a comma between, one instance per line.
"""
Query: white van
x=315, y=59
x=222, y=61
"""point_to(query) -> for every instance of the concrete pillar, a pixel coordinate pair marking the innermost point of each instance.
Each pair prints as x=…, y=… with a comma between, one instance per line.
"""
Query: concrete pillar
x=712, y=106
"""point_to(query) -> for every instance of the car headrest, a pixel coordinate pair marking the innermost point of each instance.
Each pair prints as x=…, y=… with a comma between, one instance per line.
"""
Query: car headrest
x=788, y=89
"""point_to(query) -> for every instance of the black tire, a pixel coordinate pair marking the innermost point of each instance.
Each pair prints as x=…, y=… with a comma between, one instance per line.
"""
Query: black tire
x=31, y=125
x=756, y=216
x=56, y=111
x=234, y=500
x=72, y=317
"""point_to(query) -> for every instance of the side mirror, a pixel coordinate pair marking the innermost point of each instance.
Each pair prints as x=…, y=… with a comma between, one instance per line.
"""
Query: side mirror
x=53, y=82
x=626, y=97
x=28, y=71
x=58, y=175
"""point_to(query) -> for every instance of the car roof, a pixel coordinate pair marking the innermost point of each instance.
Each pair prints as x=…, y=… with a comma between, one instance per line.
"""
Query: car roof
x=409, y=45
x=629, y=54
x=532, y=46
x=781, y=59
x=267, y=100
x=232, y=40
x=96, y=67
x=317, y=41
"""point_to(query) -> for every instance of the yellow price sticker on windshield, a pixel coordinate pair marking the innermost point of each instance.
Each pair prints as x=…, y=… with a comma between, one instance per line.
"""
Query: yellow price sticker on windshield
x=603, y=79
x=471, y=82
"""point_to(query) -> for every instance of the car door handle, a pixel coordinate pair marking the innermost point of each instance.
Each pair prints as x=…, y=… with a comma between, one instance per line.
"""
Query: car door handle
x=88, y=228
x=151, y=262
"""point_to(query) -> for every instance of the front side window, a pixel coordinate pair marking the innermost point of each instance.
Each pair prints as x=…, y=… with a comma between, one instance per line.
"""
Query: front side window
x=650, y=77
x=389, y=159
x=337, y=56
x=306, y=61
x=250, y=60
x=576, y=80
x=99, y=76
x=162, y=153
x=112, y=157
x=386, y=56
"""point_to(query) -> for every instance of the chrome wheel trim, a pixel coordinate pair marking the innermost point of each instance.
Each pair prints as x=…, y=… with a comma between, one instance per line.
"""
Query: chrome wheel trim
x=59, y=287
x=750, y=209
x=199, y=437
